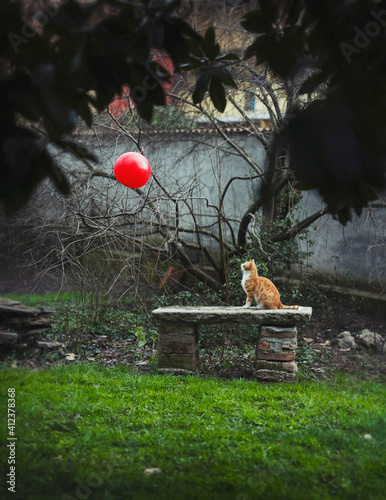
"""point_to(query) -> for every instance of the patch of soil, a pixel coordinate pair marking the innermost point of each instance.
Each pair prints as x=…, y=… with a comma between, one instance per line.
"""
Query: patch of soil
x=330, y=318
x=321, y=357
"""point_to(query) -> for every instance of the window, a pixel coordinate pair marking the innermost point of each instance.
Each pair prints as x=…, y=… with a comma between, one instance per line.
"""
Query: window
x=249, y=102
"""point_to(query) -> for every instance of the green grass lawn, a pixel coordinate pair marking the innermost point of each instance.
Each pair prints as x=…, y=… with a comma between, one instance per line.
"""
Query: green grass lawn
x=91, y=432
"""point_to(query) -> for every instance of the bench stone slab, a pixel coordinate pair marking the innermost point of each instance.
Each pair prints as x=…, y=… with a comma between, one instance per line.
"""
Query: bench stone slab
x=211, y=315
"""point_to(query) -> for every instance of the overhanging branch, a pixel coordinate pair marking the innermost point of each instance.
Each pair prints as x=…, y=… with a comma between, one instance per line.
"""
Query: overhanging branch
x=301, y=226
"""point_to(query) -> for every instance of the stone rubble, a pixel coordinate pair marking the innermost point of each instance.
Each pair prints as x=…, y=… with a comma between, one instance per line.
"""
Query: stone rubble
x=366, y=338
x=21, y=325
x=345, y=340
x=372, y=340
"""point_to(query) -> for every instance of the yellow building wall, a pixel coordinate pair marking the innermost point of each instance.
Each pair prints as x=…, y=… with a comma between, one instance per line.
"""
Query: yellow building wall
x=232, y=38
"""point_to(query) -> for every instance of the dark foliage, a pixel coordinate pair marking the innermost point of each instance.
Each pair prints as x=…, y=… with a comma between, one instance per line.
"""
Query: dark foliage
x=337, y=144
x=61, y=62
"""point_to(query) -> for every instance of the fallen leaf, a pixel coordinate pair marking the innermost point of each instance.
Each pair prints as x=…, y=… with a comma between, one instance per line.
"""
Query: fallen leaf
x=368, y=436
x=148, y=472
x=70, y=356
x=328, y=342
x=307, y=339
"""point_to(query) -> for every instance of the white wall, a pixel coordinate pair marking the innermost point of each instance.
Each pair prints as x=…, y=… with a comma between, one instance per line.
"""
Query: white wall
x=196, y=166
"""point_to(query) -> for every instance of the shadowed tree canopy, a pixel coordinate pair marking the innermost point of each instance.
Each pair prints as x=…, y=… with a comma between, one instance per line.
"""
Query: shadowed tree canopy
x=59, y=63
x=336, y=49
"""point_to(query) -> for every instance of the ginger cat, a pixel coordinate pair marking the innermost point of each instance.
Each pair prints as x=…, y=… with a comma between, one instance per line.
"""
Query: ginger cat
x=261, y=289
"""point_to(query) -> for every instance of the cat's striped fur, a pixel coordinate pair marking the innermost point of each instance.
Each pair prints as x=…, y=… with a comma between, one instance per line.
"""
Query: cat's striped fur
x=261, y=289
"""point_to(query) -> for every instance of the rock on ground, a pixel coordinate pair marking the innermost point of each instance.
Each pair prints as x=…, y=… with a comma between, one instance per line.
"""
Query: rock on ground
x=345, y=341
x=372, y=340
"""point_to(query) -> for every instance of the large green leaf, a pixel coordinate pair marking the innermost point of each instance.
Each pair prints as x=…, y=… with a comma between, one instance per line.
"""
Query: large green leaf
x=224, y=76
x=256, y=22
x=202, y=83
x=210, y=36
x=217, y=94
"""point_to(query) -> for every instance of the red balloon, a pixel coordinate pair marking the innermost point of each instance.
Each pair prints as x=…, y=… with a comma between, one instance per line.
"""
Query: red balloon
x=132, y=170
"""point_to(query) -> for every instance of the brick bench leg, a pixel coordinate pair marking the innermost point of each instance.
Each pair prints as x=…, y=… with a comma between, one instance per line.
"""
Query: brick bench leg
x=275, y=354
x=178, y=348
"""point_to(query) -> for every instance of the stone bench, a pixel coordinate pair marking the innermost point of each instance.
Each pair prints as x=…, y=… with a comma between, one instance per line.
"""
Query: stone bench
x=276, y=343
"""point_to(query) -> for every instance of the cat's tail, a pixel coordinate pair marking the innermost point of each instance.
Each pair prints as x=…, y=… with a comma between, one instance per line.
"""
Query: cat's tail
x=289, y=307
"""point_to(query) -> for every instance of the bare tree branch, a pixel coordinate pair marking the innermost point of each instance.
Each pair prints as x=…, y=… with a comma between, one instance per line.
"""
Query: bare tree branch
x=301, y=226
